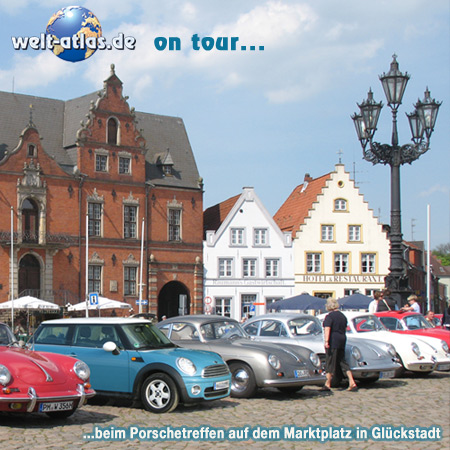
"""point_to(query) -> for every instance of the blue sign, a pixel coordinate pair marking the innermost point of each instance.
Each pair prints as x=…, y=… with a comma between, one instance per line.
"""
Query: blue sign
x=141, y=302
x=252, y=308
x=93, y=298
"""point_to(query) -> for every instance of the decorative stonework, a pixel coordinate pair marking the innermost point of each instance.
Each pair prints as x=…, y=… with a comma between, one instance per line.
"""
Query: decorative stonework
x=130, y=261
x=95, y=197
x=131, y=200
x=95, y=260
x=174, y=204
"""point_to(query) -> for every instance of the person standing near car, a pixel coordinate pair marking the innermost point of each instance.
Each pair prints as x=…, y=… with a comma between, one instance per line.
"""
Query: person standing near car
x=413, y=305
x=446, y=317
x=335, y=325
x=374, y=305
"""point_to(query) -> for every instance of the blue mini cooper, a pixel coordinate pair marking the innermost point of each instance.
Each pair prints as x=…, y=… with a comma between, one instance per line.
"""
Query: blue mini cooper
x=132, y=358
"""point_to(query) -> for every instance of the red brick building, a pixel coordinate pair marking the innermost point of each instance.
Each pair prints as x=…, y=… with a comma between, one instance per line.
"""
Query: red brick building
x=94, y=162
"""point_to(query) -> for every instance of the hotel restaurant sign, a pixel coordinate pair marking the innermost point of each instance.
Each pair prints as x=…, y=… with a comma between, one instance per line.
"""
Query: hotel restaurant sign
x=376, y=279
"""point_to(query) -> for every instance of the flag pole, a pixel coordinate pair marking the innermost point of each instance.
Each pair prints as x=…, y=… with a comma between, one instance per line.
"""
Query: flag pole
x=142, y=260
x=12, y=269
x=87, y=264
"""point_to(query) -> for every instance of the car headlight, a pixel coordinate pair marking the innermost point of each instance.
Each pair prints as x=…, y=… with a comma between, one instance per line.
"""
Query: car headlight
x=5, y=376
x=356, y=353
x=186, y=366
x=445, y=347
x=274, y=362
x=81, y=370
x=391, y=350
x=314, y=358
x=415, y=348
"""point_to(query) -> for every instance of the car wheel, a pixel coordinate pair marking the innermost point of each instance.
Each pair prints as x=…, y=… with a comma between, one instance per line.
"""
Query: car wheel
x=55, y=415
x=289, y=390
x=159, y=394
x=243, y=383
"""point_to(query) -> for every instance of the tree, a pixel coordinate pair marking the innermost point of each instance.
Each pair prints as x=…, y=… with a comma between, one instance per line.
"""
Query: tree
x=442, y=252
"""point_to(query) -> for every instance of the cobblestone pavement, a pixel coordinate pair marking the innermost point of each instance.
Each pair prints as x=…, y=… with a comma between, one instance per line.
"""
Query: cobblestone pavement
x=409, y=402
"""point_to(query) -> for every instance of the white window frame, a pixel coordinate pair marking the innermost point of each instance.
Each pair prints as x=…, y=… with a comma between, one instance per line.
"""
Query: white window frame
x=341, y=263
x=314, y=260
x=237, y=237
x=272, y=267
x=174, y=227
x=225, y=269
x=368, y=262
x=354, y=233
x=223, y=306
x=327, y=233
x=260, y=237
x=340, y=204
x=249, y=267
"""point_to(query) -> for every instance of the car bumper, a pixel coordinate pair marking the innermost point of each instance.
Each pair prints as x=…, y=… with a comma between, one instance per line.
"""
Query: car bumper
x=31, y=401
x=420, y=366
x=204, y=389
x=317, y=380
x=374, y=370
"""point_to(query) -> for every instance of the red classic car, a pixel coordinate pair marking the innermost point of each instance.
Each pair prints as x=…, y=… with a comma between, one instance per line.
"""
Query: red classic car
x=40, y=382
x=412, y=323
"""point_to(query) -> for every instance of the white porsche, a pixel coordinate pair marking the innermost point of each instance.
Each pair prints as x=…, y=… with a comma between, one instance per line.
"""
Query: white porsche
x=415, y=354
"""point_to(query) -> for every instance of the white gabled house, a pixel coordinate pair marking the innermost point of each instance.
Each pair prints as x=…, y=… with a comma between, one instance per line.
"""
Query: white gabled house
x=339, y=246
x=248, y=260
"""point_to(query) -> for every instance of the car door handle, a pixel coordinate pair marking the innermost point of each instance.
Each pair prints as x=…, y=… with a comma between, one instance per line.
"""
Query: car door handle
x=73, y=354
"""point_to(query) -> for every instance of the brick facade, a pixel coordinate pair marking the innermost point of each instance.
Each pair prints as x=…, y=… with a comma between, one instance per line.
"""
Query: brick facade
x=116, y=166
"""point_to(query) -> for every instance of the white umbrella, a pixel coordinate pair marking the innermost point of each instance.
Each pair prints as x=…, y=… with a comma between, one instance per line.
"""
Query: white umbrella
x=103, y=303
x=28, y=303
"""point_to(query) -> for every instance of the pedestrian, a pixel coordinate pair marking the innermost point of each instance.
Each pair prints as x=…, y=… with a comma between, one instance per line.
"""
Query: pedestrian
x=388, y=304
x=335, y=325
x=374, y=305
x=413, y=305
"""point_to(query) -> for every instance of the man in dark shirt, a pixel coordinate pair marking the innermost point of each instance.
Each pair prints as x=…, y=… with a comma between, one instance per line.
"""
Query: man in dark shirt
x=335, y=325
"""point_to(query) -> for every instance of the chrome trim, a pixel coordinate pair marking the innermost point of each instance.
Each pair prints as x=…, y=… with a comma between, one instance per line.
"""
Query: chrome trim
x=47, y=375
x=82, y=394
x=33, y=399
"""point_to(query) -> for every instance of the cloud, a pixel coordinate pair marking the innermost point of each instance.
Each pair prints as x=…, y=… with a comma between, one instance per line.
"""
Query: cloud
x=437, y=188
x=29, y=71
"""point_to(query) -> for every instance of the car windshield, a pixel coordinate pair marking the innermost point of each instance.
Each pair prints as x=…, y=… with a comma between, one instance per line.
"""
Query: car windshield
x=6, y=336
x=415, y=322
x=145, y=336
x=221, y=330
x=302, y=326
x=363, y=324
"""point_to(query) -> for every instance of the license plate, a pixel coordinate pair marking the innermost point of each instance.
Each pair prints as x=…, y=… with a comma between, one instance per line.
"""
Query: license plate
x=55, y=406
x=389, y=374
x=218, y=385
x=443, y=367
x=301, y=373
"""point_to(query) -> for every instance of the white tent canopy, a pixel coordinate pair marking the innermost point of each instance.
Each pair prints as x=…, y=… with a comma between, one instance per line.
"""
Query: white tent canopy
x=103, y=303
x=29, y=303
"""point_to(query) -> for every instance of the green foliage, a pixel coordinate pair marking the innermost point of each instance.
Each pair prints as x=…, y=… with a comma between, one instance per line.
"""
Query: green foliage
x=442, y=252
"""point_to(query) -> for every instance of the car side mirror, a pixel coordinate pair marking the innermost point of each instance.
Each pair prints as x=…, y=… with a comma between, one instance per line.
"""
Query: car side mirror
x=22, y=344
x=111, y=347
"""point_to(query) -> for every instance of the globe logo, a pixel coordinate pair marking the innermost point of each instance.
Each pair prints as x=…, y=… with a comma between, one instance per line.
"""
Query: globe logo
x=74, y=31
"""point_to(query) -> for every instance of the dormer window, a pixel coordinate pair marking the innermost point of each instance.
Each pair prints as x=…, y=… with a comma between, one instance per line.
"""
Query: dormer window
x=32, y=152
x=113, y=130
x=167, y=170
x=165, y=163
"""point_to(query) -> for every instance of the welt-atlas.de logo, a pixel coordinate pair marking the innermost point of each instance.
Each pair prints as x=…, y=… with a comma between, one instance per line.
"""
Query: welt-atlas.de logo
x=73, y=34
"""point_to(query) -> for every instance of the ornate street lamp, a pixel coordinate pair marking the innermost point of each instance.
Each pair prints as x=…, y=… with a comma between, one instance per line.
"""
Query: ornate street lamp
x=421, y=122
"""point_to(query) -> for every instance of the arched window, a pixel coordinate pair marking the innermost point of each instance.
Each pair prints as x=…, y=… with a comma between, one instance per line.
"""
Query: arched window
x=30, y=222
x=113, y=130
x=340, y=204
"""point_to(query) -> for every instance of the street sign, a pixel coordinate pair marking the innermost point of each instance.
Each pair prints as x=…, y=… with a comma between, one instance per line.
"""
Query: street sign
x=252, y=308
x=93, y=298
x=141, y=302
x=208, y=300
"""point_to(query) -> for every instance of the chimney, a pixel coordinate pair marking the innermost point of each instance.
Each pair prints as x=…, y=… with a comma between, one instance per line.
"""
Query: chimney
x=308, y=178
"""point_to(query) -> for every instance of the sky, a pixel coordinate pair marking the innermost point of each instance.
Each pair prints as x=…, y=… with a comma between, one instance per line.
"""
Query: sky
x=265, y=117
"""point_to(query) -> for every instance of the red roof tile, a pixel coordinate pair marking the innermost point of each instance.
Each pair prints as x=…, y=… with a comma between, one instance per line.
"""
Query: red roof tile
x=215, y=215
x=296, y=208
